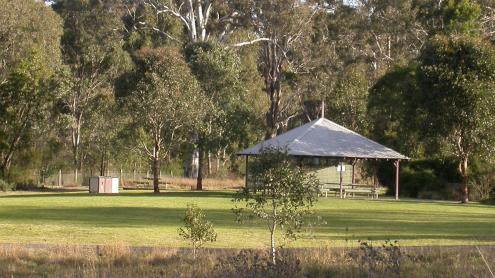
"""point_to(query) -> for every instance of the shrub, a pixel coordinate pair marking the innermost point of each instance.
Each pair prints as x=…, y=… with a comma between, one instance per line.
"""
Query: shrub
x=482, y=187
x=426, y=178
x=5, y=185
x=378, y=261
x=253, y=263
x=196, y=228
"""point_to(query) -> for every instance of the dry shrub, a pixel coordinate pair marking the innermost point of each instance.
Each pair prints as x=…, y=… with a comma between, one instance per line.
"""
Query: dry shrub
x=188, y=183
x=123, y=261
x=117, y=255
x=13, y=253
x=162, y=256
x=255, y=263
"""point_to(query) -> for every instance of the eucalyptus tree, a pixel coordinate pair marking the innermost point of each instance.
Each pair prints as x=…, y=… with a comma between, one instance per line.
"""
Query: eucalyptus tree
x=283, y=28
x=92, y=49
x=165, y=103
x=29, y=57
x=22, y=31
x=456, y=76
x=224, y=91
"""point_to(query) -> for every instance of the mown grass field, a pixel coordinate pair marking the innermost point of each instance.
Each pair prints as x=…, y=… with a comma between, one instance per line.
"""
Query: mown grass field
x=144, y=219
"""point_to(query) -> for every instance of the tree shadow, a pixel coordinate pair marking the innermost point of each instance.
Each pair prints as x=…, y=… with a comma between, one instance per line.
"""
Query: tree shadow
x=133, y=193
x=129, y=217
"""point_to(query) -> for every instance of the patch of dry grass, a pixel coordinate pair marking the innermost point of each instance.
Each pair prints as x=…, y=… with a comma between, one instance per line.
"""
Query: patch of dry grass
x=187, y=183
x=123, y=261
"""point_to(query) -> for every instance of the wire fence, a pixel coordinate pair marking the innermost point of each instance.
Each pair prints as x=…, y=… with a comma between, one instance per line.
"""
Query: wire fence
x=63, y=178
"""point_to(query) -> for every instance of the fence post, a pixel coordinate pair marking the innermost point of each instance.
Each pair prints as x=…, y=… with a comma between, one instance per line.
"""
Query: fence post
x=59, y=177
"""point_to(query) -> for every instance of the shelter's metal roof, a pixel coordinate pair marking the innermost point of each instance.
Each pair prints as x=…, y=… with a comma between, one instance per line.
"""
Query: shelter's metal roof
x=324, y=138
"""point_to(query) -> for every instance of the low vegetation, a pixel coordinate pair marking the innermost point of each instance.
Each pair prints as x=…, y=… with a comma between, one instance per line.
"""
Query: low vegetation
x=368, y=261
x=197, y=229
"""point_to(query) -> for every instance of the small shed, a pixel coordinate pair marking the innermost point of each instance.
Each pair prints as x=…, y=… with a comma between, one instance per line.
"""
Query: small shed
x=104, y=184
x=325, y=139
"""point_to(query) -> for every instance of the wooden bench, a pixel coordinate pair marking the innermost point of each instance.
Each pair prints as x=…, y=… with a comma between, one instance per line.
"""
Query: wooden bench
x=368, y=191
x=333, y=188
x=350, y=190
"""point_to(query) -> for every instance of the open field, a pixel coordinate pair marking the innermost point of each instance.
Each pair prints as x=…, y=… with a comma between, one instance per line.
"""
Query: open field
x=143, y=219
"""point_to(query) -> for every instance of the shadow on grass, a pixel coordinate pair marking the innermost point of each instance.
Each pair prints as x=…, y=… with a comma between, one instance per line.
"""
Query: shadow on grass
x=79, y=193
x=352, y=225
x=111, y=216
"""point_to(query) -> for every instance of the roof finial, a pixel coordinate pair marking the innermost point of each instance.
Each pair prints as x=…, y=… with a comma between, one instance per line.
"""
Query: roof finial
x=323, y=108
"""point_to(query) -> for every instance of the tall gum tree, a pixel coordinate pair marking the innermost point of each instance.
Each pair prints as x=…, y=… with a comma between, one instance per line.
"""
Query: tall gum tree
x=30, y=54
x=202, y=21
x=165, y=104
x=456, y=76
x=92, y=50
x=284, y=27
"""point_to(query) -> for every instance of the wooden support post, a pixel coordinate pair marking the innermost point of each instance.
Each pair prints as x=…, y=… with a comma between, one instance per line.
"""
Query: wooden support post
x=60, y=177
x=340, y=183
x=353, y=180
x=246, y=178
x=397, y=169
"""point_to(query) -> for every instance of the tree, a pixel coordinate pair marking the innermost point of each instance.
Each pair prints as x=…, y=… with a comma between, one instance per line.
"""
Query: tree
x=165, y=102
x=346, y=104
x=203, y=22
x=196, y=228
x=280, y=193
x=225, y=93
x=26, y=26
x=92, y=49
x=456, y=76
x=25, y=103
x=395, y=113
x=30, y=54
x=284, y=27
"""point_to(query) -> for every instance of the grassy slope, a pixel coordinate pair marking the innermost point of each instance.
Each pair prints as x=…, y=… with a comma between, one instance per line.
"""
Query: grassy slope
x=139, y=218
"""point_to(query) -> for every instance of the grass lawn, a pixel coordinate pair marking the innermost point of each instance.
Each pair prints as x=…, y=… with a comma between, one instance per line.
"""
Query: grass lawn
x=142, y=219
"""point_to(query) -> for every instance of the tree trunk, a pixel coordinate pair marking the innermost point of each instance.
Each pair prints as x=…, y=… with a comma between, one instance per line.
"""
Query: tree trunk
x=8, y=157
x=102, y=164
x=272, y=242
x=191, y=161
x=199, y=180
x=463, y=169
x=271, y=73
x=156, y=168
x=209, y=163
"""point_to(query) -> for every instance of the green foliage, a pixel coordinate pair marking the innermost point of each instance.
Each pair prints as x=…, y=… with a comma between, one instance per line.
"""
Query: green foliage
x=423, y=178
x=166, y=96
x=279, y=192
x=5, y=185
x=26, y=98
x=461, y=16
x=141, y=25
x=346, y=104
x=197, y=229
x=395, y=113
x=226, y=124
x=456, y=77
x=27, y=26
x=165, y=104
